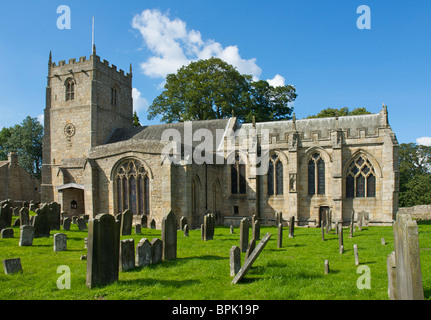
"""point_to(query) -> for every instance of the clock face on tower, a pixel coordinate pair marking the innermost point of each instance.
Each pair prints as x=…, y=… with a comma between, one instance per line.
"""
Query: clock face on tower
x=69, y=130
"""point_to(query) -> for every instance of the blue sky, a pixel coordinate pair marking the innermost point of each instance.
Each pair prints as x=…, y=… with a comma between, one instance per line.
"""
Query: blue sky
x=314, y=45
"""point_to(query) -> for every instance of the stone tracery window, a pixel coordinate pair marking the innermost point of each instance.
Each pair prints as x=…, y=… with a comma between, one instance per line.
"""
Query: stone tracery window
x=132, y=188
x=316, y=174
x=275, y=176
x=70, y=89
x=238, y=181
x=361, y=179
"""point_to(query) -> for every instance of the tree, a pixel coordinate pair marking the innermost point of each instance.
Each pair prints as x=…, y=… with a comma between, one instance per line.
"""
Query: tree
x=212, y=89
x=415, y=174
x=136, y=120
x=332, y=112
x=26, y=140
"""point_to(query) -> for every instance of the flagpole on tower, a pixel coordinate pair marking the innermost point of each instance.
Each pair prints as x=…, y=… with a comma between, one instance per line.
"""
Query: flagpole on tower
x=93, y=47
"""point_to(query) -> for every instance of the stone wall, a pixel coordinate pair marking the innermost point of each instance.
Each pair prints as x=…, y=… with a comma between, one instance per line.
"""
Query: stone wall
x=422, y=212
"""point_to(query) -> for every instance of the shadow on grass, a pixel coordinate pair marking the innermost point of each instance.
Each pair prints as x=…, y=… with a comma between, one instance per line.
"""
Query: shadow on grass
x=162, y=282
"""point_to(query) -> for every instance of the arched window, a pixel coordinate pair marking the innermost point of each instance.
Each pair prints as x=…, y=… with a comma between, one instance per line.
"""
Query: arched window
x=132, y=188
x=316, y=174
x=238, y=181
x=360, y=179
x=114, y=96
x=73, y=205
x=275, y=176
x=70, y=89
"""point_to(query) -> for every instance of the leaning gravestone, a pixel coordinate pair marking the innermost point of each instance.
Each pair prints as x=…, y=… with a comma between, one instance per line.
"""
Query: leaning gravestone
x=156, y=250
x=251, y=246
x=127, y=254
x=249, y=262
x=235, y=260
x=26, y=236
x=408, y=275
x=126, y=222
x=243, y=235
x=24, y=216
x=143, y=253
x=12, y=265
x=60, y=242
x=103, y=250
x=42, y=222
x=169, y=236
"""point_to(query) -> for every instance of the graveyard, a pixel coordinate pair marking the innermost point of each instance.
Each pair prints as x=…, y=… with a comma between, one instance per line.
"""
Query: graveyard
x=292, y=269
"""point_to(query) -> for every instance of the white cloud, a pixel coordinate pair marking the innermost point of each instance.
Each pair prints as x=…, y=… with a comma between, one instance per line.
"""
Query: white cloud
x=139, y=102
x=41, y=118
x=174, y=46
x=425, y=141
x=277, y=81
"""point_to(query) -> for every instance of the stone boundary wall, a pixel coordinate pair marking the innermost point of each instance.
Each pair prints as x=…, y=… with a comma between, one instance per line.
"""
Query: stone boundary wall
x=422, y=212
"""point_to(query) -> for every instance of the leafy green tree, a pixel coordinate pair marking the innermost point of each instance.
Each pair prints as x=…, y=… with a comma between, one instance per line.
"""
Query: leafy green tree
x=332, y=112
x=213, y=89
x=136, y=120
x=26, y=140
x=415, y=174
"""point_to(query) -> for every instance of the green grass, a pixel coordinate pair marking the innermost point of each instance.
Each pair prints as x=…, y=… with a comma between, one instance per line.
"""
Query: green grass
x=201, y=270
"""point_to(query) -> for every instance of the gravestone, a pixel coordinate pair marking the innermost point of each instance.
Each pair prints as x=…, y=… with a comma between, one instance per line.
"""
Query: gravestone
x=183, y=222
x=251, y=246
x=5, y=215
x=280, y=236
x=392, y=276
x=156, y=251
x=144, y=221
x=169, y=236
x=340, y=237
x=55, y=215
x=231, y=229
x=127, y=254
x=249, y=262
x=66, y=224
x=7, y=233
x=209, y=224
x=408, y=284
x=341, y=249
x=291, y=226
x=153, y=224
x=103, y=250
x=26, y=236
x=202, y=232
x=143, y=253
x=186, y=230
x=256, y=229
x=235, y=260
x=15, y=211
x=12, y=266
x=383, y=242
x=81, y=224
x=74, y=219
x=138, y=229
x=243, y=235
x=60, y=242
x=16, y=223
x=126, y=222
x=24, y=216
x=355, y=251
x=326, y=266
x=42, y=222
x=278, y=218
x=322, y=227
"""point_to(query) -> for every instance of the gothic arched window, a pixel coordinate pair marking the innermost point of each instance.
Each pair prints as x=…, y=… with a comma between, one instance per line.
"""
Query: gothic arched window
x=360, y=179
x=238, y=181
x=132, y=188
x=70, y=89
x=275, y=176
x=316, y=174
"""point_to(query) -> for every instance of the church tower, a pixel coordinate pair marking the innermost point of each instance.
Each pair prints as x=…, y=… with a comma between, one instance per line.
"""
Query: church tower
x=85, y=101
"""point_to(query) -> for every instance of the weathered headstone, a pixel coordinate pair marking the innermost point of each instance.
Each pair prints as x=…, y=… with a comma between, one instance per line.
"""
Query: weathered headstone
x=16, y=223
x=280, y=236
x=183, y=222
x=103, y=250
x=75, y=219
x=12, y=266
x=153, y=224
x=60, y=242
x=144, y=221
x=278, y=218
x=186, y=230
x=15, y=211
x=202, y=232
x=42, y=222
x=55, y=215
x=66, y=224
x=341, y=249
x=143, y=253
x=81, y=224
x=291, y=226
x=24, y=216
x=250, y=247
x=138, y=228
x=322, y=227
x=26, y=236
x=169, y=236
x=392, y=276
x=340, y=237
x=231, y=229
x=249, y=262
x=355, y=251
x=5, y=215
x=407, y=259
x=383, y=242
x=127, y=254
x=7, y=233
x=326, y=266
x=156, y=251
x=209, y=224
x=126, y=222
x=256, y=229
x=243, y=235
x=235, y=260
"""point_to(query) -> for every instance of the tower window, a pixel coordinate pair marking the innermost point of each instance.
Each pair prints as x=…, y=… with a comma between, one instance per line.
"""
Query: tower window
x=114, y=96
x=70, y=90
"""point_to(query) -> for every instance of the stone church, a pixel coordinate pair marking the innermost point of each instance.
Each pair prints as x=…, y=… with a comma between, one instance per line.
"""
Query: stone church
x=95, y=161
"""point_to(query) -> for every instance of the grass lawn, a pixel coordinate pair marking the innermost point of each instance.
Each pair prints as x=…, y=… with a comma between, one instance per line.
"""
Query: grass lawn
x=201, y=271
